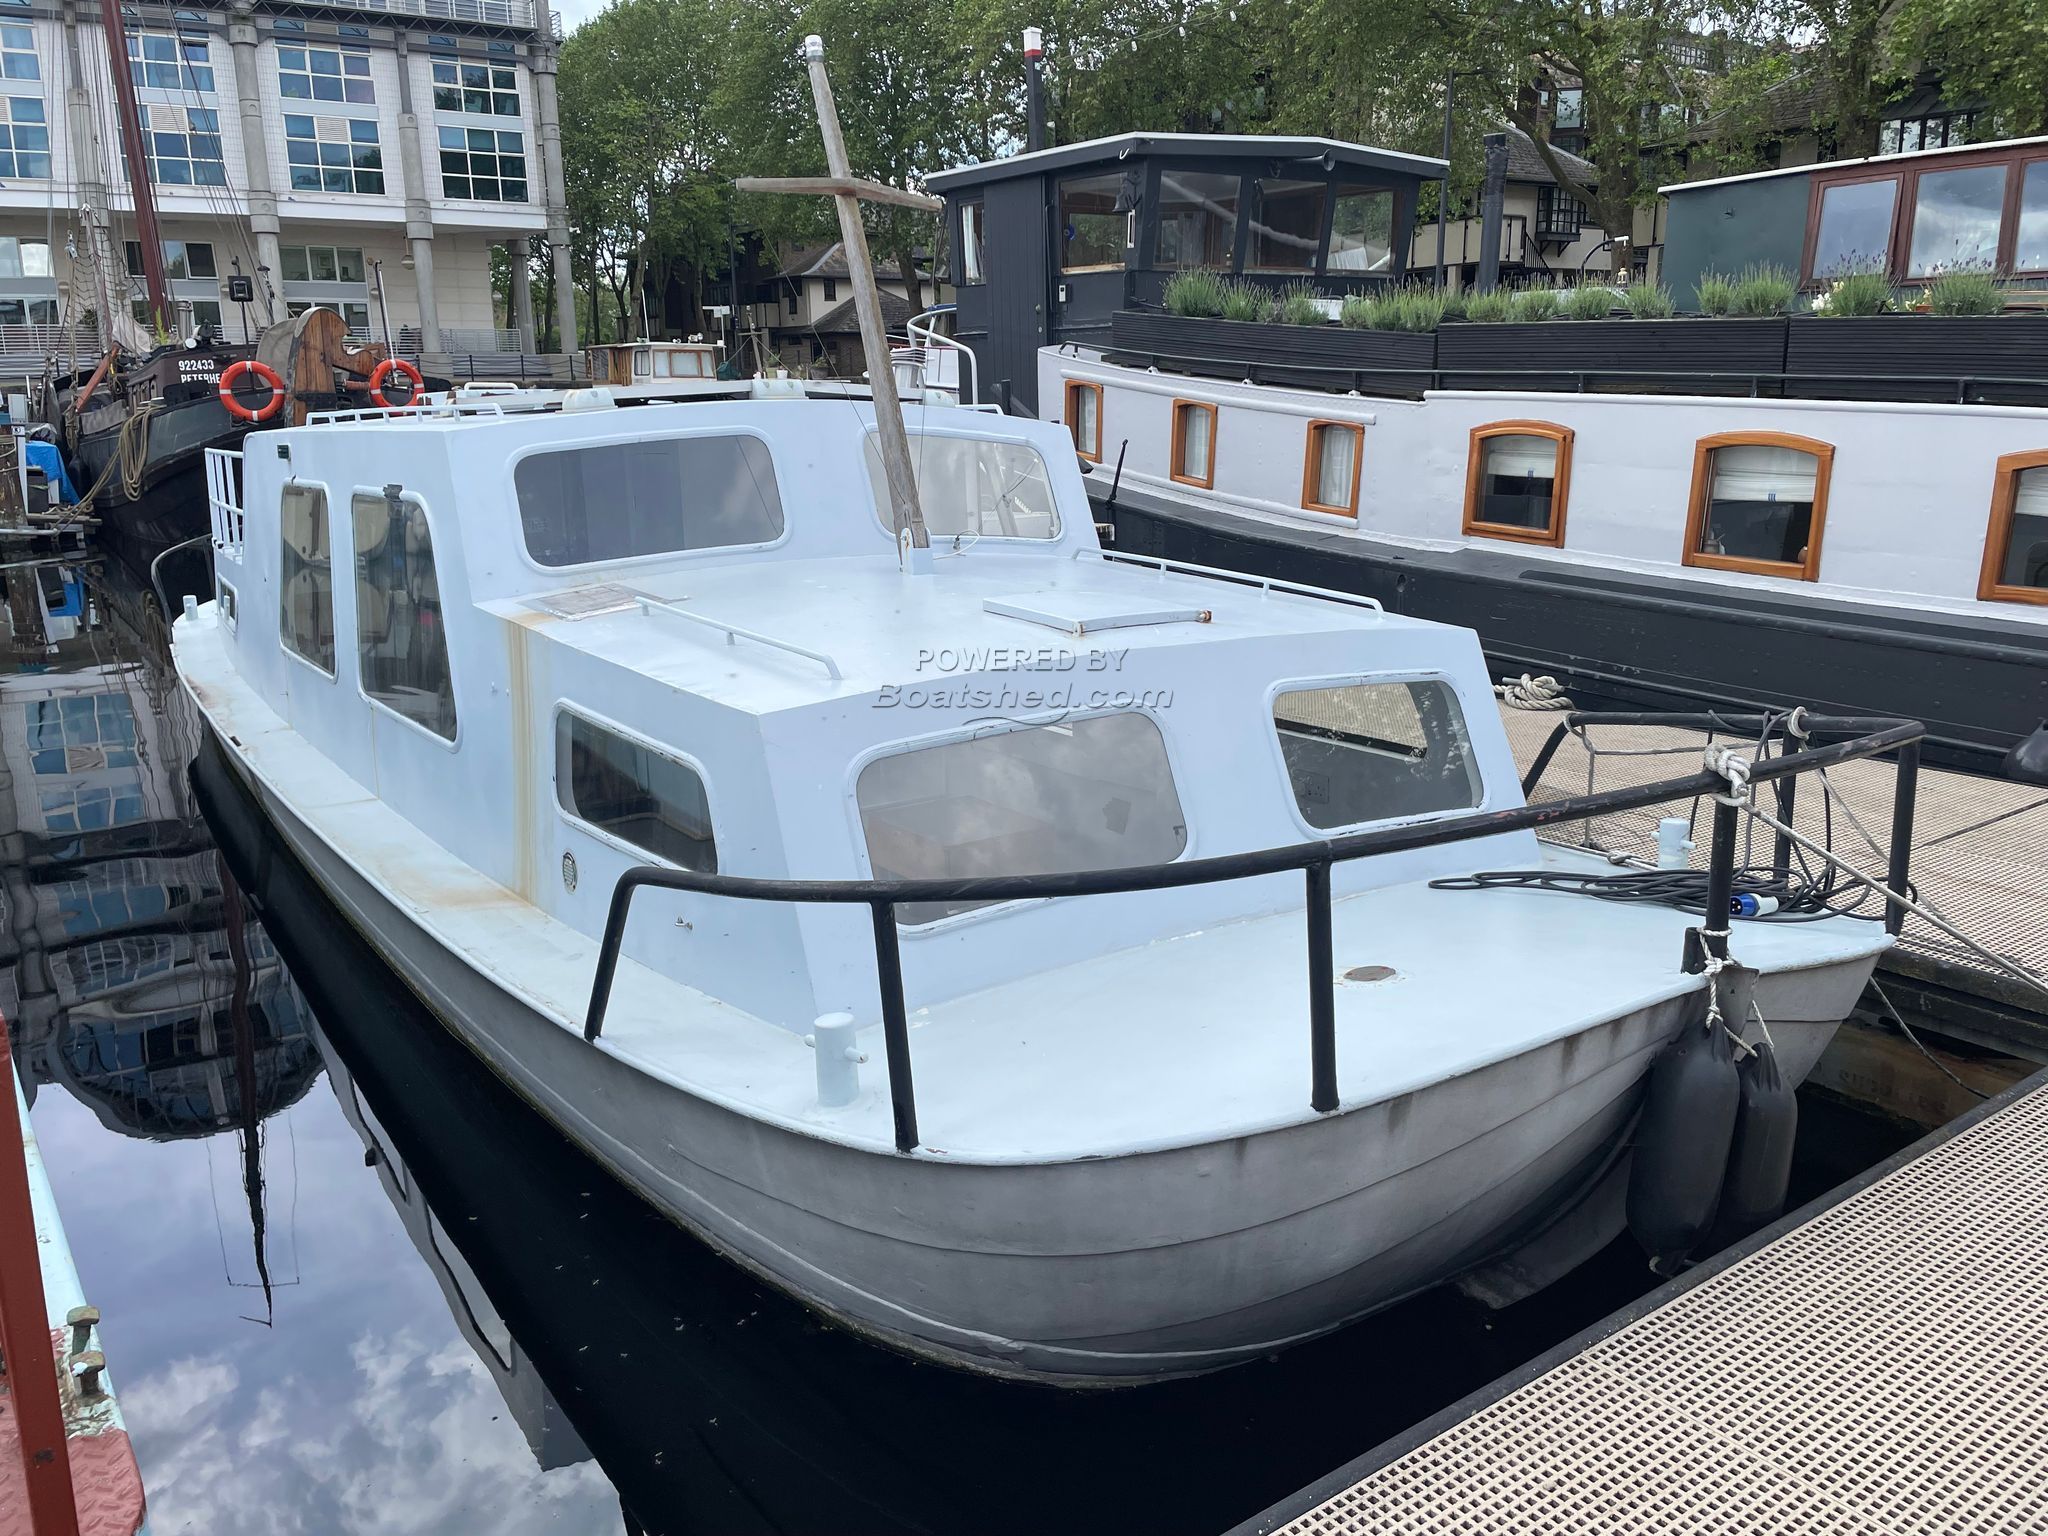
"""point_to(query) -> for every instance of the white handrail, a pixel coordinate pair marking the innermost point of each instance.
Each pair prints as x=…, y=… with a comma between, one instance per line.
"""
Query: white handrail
x=224, y=502
x=922, y=335
x=733, y=632
x=1242, y=578
x=391, y=412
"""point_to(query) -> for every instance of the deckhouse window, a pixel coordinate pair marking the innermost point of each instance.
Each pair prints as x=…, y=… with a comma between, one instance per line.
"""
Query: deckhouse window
x=400, y=638
x=1758, y=503
x=1197, y=218
x=1375, y=752
x=2016, y=546
x=1956, y=218
x=973, y=227
x=1330, y=469
x=1194, y=443
x=1084, y=419
x=638, y=795
x=660, y=496
x=1094, y=793
x=1288, y=226
x=1854, y=231
x=1516, y=480
x=1091, y=225
x=305, y=618
x=968, y=486
x=1362, y=230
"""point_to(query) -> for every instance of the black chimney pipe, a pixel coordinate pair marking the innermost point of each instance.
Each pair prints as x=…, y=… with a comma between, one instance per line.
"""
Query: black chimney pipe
x=1490, y=204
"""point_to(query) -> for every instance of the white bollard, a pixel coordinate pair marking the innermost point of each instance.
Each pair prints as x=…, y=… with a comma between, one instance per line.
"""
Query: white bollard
x=839, y=1059
x=1674, y=848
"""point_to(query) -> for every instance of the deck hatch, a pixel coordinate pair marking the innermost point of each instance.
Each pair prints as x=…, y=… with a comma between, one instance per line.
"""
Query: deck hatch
x=1085, y=613
x=586, y=602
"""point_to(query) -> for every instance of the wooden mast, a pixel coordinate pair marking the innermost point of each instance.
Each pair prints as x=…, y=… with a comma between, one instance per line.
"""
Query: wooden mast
x=138, y=166
x=913, y=543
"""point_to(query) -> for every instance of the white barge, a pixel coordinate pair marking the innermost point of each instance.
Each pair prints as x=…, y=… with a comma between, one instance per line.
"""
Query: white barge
x=479, y=667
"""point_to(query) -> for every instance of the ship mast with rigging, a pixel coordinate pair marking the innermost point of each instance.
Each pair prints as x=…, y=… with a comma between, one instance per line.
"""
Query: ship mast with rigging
x=138, y=165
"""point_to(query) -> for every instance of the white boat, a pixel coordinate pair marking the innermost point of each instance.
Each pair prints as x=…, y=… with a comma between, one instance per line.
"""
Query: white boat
x=578, y=643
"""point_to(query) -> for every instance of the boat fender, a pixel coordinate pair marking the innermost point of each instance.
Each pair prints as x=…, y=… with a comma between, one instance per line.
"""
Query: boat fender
x=1760, y=1158
x=2027, y=762
x=1682, y=1142
x=388, y=367
x=263, y=373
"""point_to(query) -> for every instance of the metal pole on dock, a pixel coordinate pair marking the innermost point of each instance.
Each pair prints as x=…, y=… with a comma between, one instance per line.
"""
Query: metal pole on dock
x=31, y=1360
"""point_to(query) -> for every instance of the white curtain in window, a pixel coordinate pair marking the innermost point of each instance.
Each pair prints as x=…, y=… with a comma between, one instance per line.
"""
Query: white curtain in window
x=1522, y=457
x=2030, y=498
x=1196, y=428
x=1758, y=472
x=1336, y=457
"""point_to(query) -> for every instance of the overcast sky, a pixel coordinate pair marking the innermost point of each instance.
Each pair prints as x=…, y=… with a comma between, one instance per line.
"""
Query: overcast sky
x=576, y=12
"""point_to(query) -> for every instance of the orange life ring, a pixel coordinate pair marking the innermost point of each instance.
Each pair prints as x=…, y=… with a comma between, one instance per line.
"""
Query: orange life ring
x=264, y=373
x=384, y=370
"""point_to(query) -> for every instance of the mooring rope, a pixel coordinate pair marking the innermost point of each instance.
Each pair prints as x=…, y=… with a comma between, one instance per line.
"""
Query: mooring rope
x=1526, y=692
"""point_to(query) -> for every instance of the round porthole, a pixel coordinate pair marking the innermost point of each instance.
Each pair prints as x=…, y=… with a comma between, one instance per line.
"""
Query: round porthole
x=569, y=871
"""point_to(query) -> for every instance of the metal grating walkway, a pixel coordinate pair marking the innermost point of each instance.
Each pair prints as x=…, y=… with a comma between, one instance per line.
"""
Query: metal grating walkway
x=1881, y=1367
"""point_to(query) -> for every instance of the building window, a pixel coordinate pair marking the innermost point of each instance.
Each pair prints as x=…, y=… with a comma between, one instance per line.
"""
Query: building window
x=633, y=792
x=1759, y=500
x=182, y=146
x=1194, y=443
x=1092, y=793
x=1559, y=215
x=354, y=317
x=1853, y=231
x=1091, y=224
x=28, y=311
x=324, y=74
x=1362, y=230
x=482, y=90
x=24, y=140
x=334, y=154
x=1517, y=476
x=1371, y=752
x=24, y=258
x=169, y=62
x=973, y=228
x=638, y=500
x=305, y=621
x=793, y=302
x=1956, y=218
x=483, y=164
x=182, y=259
x=831, y=291
x=2016, y=546
x=1288, y=227
x=1197, y=218
x=1084, y=418
x=1331, y=466
x=206, y=312
x=1571, y=107
x=401, y=640
x=321, y=263
x=1940, y=130
x=18, y=53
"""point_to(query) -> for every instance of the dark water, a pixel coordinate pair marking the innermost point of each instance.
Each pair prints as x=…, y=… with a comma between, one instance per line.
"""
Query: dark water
x=460, y=1308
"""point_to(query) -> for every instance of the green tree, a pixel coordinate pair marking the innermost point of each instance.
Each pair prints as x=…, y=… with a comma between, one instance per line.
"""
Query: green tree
x=1994, y=51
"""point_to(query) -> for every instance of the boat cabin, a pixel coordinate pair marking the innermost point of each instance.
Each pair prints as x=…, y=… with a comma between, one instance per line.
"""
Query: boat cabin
x=649, y=365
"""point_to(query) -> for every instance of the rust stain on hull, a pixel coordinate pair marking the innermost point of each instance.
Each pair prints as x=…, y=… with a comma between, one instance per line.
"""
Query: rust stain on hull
x=525, y=809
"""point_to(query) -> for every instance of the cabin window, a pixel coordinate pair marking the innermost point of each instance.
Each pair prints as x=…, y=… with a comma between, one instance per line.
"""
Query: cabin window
x=639, y=795
x=1956, y=216
x=2030, y=242
x=306, y=576
x=1854, y=231
x=1288, y=226
x=971, y=487
x=1194, y=443
x=1375, y=752
x=1362, y=230
x=1516, y=480
x=659, y=496
x=2016, y=547
x=1330, y=467
x=1084, y=418
x=643, y=363
x=1758, y=502
x=973, y=227
x=1094, y=793
x=1091, y=226
x=401, y=640
x=1197, y=218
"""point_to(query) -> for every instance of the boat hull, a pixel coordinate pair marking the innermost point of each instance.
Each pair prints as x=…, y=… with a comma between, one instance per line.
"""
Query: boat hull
x=1100, y=1271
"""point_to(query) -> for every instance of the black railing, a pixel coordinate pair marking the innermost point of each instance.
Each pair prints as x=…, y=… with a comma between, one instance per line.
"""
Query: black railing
x=1871, y=737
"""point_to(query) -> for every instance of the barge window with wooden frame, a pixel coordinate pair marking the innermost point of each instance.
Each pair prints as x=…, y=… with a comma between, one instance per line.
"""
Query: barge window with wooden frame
x=1288, y=227
x=2030, y=235
x=1366, y=752
x=1331, y=464
x=1092, y=226
x=1091, y=793
x=1956, y=219
x=1084, y=418
x=1197, y=218
x=401, y=637
x=656, y=496
x=1852, y=229
x=1517, y=479
x=972, y=487
x=1194, y=443
x=1759, y=501
x=305, y=617
x=629, y=790
x=2016, y=544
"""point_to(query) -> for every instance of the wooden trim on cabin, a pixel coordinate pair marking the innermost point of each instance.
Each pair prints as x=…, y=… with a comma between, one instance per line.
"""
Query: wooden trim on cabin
x=1311, y=461
x=1205, y=481
x=2005, y=490
x=1560, y=484
x=1074, y=388
x=1805, y=569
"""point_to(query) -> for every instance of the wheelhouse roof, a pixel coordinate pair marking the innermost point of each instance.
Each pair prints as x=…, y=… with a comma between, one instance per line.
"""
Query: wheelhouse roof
x=1210, y=146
